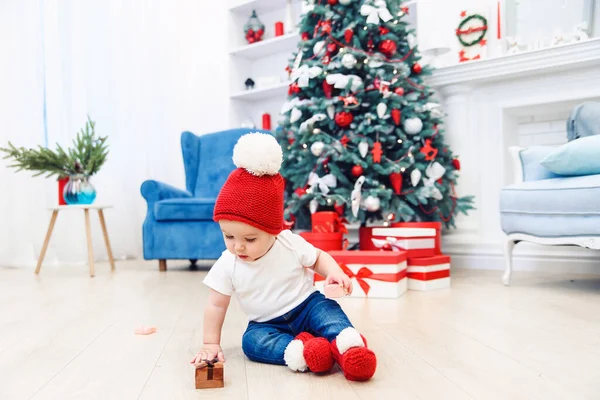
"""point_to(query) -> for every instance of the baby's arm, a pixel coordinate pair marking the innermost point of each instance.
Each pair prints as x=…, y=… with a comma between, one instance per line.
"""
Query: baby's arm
x=214, y=315
x=326, y=266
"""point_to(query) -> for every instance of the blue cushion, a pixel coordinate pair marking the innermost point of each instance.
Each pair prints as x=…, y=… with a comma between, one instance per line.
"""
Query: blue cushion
x=185, y=209
x=552, y=207
x=530, y=159
x=577, y=157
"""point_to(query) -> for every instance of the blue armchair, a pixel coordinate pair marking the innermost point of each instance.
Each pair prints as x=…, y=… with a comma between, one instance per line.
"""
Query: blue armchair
x=179, y=223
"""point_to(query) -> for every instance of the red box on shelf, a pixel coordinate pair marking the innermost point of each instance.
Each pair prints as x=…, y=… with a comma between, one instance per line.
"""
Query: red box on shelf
x=377, y=274
x=326, y=241
x=428, y=273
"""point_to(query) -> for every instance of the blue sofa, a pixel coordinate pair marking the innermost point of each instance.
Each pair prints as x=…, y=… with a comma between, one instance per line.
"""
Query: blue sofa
x=179, y=223
x=545, y=208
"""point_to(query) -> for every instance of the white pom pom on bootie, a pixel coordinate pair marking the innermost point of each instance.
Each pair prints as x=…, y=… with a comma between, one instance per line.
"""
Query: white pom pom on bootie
x=258, y=153
x=348, y=338
x=294, y=356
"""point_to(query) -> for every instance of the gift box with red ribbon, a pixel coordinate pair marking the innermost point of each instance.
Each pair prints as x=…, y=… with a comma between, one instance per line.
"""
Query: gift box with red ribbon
x=376, y=274
x=428, y=273
x=417, y=242
x=366, y=235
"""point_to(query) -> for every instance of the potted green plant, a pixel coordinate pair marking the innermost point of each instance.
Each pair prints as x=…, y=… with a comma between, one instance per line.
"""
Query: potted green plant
x=77, y=164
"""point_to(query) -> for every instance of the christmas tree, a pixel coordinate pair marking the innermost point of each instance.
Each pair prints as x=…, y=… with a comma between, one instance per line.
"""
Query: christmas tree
x=360, y=131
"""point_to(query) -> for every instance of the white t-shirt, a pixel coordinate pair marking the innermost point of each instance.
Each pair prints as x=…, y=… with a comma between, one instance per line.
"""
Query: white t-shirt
x=272, y=285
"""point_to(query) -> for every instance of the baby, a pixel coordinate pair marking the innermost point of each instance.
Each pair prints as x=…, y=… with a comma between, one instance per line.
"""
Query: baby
x=290, y=322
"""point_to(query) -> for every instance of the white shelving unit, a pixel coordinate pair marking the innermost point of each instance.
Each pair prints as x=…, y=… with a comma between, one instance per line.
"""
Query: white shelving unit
x=263, y=61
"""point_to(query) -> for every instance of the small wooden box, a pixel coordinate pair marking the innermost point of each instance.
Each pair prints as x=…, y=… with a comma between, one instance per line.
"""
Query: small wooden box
x=210, y=377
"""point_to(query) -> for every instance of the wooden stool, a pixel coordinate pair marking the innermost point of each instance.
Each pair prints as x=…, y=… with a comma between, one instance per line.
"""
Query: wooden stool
x=88, y=231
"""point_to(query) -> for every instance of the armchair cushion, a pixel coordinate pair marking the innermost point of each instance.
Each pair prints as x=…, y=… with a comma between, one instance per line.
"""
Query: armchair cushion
x=530, y=160
x=565, y=206
x=577, y=157
x=185, y=209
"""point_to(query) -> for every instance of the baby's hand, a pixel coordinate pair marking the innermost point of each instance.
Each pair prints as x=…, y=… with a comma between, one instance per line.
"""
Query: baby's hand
x=209, y=352
x=340, y=278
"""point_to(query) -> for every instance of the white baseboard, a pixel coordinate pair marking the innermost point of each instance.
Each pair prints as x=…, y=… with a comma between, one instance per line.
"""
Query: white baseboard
x=468, y=251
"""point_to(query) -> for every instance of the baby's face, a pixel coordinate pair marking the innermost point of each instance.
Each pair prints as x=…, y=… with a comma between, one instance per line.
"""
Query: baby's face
x=245, y=241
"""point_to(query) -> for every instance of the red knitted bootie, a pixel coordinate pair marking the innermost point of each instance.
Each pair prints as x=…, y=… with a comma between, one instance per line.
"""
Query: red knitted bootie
x=308, y=352
x=350, y=351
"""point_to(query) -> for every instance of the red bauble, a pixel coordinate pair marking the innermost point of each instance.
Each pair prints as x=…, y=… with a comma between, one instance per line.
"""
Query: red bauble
x=332, y=2
x=305, y=36
x=386, y=247
x=399, y=91
x=357, y=171
x=327, y=89
x=396, y=116
x=293, y=88
x=331, y=47
x=456, y=164
x=396, y=181
x=344, y=119
x=348, y=35
x=387, y=47
x=417, y=68
x=383, y=30
x=300, y=192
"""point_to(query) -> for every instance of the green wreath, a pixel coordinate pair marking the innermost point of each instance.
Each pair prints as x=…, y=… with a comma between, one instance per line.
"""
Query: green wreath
x=482, y=29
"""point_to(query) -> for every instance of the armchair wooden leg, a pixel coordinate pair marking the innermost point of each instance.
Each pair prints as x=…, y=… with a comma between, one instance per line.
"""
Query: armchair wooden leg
x=509, y=244
x=162, y=265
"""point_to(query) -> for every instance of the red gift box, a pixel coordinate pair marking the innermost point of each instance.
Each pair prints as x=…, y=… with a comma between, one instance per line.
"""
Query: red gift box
x=327, y=221
x=325, y=241
x=374, y=274
x=435, y=225
x=427, y=273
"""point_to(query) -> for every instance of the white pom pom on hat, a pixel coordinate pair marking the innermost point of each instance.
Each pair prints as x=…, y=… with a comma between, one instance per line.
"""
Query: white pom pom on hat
x=258, y=153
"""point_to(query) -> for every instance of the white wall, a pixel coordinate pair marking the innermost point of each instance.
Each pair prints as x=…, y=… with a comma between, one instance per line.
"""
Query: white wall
x=144, y=70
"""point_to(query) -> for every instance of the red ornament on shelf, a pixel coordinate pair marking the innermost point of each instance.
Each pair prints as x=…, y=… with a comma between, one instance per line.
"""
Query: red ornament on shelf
x=395, y=113
x=254, y=29
x=399, y=91
x=387, y=47
x=456, y=164
x=348, y=33
x=266, y=122
x=343, y=119
x=396, y=181
x=417, y=68
x=278, y=28
x=327, y=89
x=357, y=171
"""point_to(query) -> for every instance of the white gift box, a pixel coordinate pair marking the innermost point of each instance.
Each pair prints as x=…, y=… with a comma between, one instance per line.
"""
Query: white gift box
x=374, y=274
x=417, y=242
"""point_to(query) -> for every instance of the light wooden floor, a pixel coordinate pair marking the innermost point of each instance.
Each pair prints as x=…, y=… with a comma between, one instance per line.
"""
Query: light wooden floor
x=66, y=336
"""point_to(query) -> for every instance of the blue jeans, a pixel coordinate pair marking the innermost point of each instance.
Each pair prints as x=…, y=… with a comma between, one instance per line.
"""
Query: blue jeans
x=266, y=341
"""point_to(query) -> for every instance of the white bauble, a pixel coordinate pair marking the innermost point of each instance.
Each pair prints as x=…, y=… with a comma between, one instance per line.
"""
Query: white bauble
x=372, y=203
x=415, y=177
x=317, y=148
x=363, y=148
x=295, y=115
x=345, y=2
x=381, y=110
x=348, y=60
x=318, y=47
x=331, y=111
x=412, y=126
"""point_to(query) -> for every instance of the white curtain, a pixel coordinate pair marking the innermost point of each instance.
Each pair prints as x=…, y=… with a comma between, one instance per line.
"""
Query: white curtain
x=144, y=70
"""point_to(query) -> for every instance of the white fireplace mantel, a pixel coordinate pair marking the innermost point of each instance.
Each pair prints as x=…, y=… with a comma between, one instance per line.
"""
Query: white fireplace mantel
x=484, y=102
x=520, y=65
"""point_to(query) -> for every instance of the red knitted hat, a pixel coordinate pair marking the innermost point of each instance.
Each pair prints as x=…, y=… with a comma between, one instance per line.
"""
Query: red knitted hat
x=253, y=192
